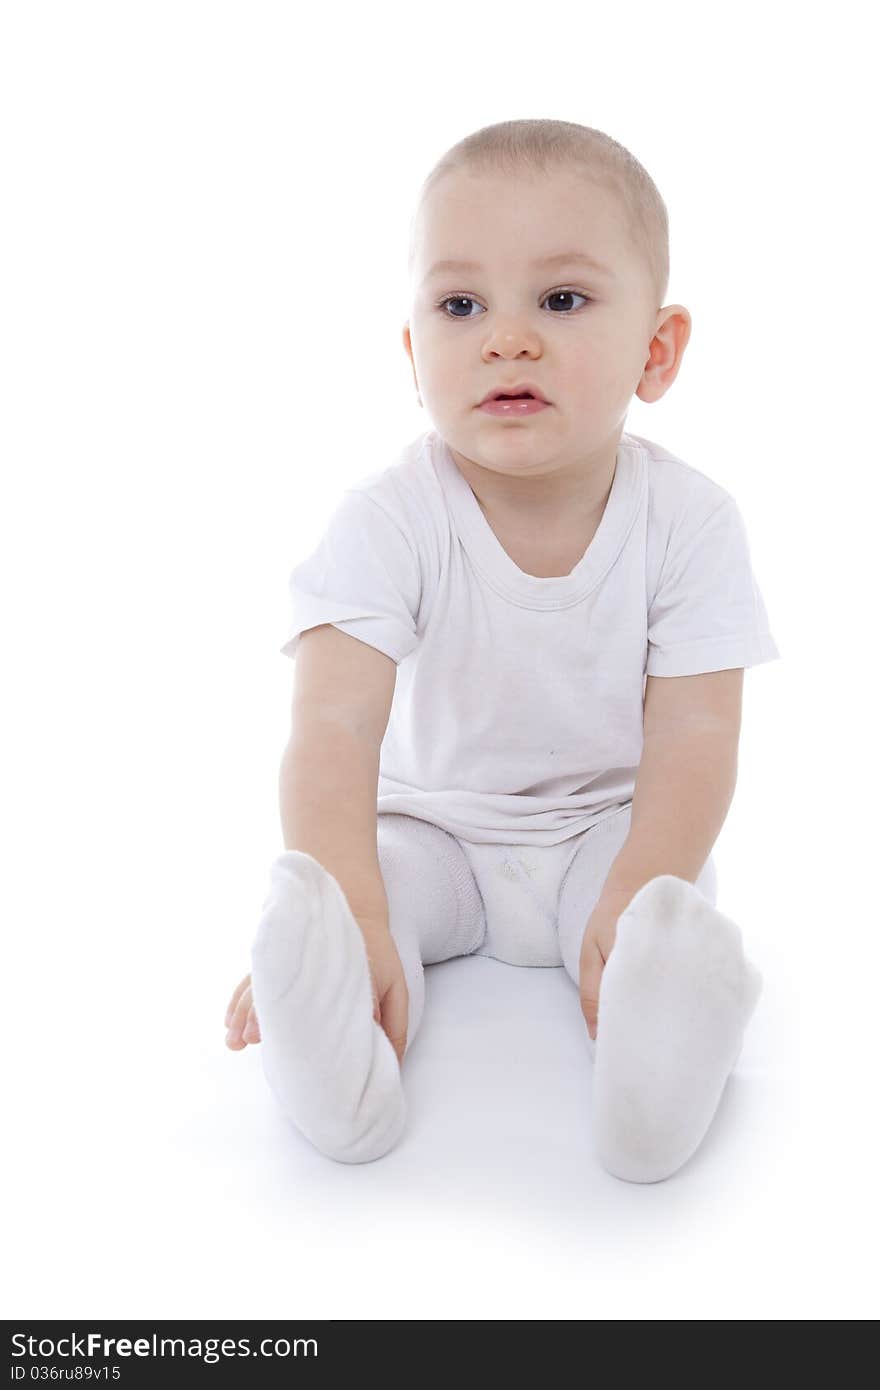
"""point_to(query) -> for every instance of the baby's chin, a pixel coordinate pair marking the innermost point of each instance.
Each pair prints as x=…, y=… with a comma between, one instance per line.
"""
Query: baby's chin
x=548, y=434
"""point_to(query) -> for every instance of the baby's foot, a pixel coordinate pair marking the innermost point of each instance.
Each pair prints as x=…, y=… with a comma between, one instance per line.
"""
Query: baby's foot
x=330, y=1066
x=674, y=1001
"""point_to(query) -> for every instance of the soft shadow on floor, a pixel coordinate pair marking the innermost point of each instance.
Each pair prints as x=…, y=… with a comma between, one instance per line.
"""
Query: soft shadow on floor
x=172, y=1163
x=498, y=1084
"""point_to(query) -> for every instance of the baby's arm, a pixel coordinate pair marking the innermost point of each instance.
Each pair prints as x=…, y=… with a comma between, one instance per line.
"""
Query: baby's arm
x=686, y=776
x=684, y=787
x=343, y=691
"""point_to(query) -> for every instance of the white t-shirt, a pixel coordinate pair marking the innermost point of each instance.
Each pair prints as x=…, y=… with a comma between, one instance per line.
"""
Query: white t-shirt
x=518, y=704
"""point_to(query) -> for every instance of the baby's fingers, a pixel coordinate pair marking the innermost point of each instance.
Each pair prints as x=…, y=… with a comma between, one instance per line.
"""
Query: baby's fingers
x=236, y=995
x=238, y=1020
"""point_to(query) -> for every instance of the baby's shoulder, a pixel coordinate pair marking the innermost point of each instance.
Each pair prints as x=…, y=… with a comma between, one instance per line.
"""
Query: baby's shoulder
x=405, y=490
x=677, y=489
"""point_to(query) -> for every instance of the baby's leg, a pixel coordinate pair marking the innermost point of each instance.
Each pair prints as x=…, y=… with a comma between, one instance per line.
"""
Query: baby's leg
x=330, y=1066
x=435, y=909
x=674, y=1001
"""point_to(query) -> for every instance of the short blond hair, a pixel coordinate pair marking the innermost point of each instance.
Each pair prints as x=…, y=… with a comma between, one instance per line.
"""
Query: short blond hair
x=541, y=146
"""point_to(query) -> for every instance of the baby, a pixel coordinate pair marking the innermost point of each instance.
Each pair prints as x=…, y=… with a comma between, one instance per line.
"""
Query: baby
x=517, y=697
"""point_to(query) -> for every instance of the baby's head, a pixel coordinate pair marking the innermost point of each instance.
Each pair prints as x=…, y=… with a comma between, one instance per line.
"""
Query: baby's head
x=515, y=200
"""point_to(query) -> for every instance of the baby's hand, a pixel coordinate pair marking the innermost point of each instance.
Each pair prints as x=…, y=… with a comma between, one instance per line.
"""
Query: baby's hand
x=241, y=1021
x=596, y=946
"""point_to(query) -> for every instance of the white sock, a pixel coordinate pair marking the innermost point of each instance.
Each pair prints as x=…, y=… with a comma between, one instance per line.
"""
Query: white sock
x=674, y=1001
x=330, y=1066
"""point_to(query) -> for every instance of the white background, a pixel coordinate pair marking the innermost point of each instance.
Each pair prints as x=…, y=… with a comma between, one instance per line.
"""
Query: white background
x=203, y=290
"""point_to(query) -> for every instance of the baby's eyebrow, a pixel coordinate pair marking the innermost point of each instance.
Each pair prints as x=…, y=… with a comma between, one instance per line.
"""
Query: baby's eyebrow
x=544, y=262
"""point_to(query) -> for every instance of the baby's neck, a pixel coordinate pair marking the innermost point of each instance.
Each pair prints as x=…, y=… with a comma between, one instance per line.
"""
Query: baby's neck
x=565, y=501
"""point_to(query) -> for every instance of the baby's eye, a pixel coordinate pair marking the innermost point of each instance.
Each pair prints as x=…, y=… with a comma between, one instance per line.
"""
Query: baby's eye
x=466, y=299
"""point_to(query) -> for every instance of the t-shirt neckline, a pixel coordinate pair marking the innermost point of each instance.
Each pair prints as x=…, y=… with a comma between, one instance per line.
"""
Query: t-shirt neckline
x=496, y=566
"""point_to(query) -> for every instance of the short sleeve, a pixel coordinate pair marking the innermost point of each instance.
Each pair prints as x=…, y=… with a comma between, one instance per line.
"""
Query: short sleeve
x=708, y=613
x=363, y=578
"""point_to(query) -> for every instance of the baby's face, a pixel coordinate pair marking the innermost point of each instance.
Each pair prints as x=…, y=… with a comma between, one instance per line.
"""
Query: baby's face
x=583, y=335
